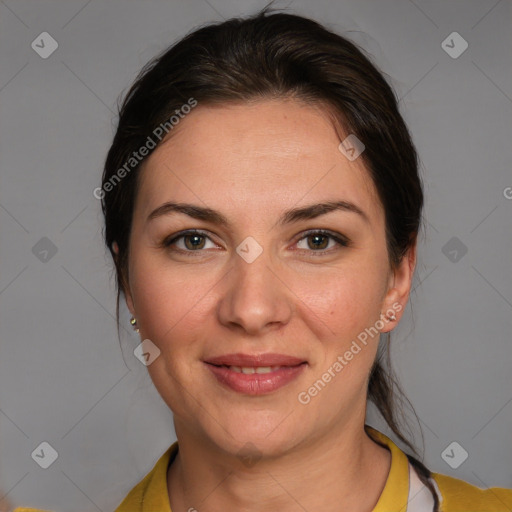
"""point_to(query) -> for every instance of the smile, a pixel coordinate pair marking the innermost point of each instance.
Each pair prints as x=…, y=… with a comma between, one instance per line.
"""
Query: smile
x=251, y=369
x=255, y=380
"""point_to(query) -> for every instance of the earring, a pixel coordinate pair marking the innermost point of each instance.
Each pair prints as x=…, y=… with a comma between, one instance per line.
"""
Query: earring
x=133, y=321
x=391, y=317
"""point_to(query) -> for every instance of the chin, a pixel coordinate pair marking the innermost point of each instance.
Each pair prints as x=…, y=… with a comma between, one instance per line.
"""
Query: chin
x=271, y=437
x=259, y=447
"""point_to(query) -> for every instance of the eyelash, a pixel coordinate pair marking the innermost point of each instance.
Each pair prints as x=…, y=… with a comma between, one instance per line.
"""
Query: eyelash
x=339, y=239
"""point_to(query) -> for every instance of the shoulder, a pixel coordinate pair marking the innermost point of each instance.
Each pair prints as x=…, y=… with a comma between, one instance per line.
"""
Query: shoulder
x=27, y=509
x=149, y=494
x=460, y=496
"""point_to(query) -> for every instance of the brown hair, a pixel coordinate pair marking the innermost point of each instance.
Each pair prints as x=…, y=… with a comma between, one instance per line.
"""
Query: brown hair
x=267, y=56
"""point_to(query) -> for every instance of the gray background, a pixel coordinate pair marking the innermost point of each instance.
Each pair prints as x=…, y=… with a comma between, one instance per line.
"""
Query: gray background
x=63, y=376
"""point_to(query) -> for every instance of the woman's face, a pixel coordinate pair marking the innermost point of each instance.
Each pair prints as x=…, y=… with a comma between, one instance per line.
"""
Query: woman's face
x=260, y=283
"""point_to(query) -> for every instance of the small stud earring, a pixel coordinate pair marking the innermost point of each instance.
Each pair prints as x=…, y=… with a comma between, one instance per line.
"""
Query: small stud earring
x=133, y=321
x=391, y=317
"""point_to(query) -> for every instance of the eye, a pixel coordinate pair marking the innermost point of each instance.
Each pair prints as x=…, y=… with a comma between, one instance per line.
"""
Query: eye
x=193, y=241
x=318, y=241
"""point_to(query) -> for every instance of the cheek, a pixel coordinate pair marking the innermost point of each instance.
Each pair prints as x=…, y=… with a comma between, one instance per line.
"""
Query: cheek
x=164, y=297
x=170, y=311
x=347, y=299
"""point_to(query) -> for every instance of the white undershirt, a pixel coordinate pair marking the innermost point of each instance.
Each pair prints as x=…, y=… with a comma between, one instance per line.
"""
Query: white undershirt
x=420, y=498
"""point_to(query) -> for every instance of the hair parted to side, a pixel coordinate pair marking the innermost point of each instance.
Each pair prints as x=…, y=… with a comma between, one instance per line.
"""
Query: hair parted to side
x=277, y=56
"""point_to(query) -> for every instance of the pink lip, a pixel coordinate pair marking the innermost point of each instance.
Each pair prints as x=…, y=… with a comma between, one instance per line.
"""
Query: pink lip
x=249, y=360
x=255, y=383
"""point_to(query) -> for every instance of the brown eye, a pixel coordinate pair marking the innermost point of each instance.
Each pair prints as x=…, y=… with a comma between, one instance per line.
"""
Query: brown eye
x=320, y=241
x=193, y=241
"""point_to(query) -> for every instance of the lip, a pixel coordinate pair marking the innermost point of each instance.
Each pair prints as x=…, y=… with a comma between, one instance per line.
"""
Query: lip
x=255, y=383
x=254, y=360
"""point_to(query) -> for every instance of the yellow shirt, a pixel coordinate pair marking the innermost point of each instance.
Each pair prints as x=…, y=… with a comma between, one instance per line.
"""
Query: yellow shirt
x=403, y=492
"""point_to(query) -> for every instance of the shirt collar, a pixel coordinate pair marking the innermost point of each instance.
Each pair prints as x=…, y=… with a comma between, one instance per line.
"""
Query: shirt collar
x=395, y=495
x=151, y=492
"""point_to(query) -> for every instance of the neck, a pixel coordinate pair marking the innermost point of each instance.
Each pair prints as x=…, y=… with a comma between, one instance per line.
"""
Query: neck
x=346, y=471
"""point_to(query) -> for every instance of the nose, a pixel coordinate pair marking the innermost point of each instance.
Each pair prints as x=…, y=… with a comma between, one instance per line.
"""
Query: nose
x=255, y=297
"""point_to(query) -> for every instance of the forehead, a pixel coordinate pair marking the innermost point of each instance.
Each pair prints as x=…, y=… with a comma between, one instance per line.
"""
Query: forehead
x=266, y=155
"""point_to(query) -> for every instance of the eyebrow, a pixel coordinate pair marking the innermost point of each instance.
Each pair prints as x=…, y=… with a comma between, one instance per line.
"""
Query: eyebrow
x=288, y=217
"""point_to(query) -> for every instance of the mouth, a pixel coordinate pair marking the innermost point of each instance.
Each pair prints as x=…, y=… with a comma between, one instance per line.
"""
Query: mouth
x=255, y=374
x=249, y=370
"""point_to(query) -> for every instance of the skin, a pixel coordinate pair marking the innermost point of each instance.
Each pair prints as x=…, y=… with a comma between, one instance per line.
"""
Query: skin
x=251, y=162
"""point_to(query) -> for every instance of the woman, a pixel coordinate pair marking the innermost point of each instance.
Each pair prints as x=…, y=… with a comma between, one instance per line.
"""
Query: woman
x=262, y=204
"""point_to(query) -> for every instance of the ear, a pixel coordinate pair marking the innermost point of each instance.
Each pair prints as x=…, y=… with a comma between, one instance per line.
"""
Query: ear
x=399, y=287
x=126, y=290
